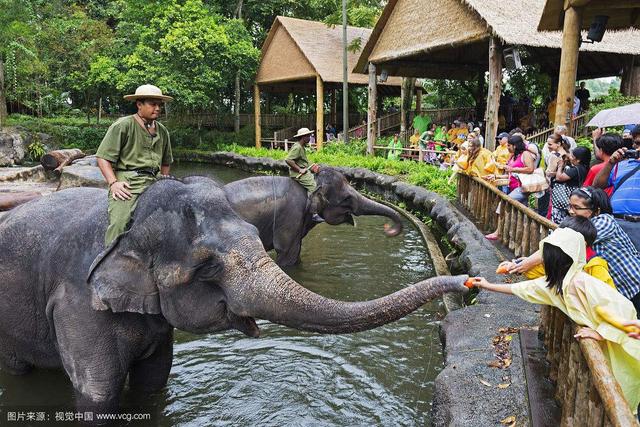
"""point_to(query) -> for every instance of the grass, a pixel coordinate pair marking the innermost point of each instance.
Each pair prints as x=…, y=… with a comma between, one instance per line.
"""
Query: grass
x=352, y=155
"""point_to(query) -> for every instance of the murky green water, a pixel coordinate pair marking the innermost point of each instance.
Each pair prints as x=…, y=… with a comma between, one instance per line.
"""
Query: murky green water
x=380, y=377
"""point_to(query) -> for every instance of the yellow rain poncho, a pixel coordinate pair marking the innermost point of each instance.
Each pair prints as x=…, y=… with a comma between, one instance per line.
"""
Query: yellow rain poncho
x=581, y=293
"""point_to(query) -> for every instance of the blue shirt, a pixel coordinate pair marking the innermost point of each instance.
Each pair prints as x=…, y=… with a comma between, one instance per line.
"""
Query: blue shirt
x=626, y=199
x=614, y=245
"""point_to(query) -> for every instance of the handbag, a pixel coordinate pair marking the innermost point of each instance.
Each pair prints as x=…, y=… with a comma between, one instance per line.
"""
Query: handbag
x=533, y=182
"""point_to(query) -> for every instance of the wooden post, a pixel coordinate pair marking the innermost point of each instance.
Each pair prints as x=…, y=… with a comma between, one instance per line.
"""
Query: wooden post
x=319, y=112
x=406, y=96
x=630, y=85
x=372, y=113
x=495, y=89
x=568, y=66
x=418, y=101
x=256, y=112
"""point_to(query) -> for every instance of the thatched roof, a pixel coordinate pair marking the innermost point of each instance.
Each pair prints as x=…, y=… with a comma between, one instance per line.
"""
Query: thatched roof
x=623, y=14
x=449, y=38
x=297, y=50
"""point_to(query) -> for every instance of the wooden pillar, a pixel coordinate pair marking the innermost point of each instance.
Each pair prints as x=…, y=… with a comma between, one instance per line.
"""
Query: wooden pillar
x=256, y=112
x=630, y=85
x=568, y=66
x=334, y=108
x=319, y=112
x=405, y=104
x=372, y=112
x=418, y=101
x=493, y=96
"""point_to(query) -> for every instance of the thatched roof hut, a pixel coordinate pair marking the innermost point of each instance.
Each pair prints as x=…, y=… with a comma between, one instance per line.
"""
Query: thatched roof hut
x=306, y=57
x=297, y=51
x=623, y=14
x=450, y=39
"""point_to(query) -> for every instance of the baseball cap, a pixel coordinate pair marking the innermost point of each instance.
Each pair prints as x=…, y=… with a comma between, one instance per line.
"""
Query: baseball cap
x=502, y=135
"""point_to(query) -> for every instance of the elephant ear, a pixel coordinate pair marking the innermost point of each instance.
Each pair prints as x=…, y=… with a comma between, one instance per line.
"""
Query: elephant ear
x=121, y=280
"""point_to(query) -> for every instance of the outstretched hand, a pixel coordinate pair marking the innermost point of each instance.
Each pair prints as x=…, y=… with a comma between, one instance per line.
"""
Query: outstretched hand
x=635, y=323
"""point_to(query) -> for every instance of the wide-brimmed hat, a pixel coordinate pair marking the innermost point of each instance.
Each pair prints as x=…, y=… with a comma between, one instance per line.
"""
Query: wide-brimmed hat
x=148, y=92
x=303, y=132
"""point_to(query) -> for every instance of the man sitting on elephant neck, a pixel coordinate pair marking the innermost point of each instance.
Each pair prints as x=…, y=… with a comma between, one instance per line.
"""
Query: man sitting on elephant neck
x=133, y=151
x=299, y=168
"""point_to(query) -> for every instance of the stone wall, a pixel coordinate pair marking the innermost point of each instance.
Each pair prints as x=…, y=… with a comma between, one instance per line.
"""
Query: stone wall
x=462, y=396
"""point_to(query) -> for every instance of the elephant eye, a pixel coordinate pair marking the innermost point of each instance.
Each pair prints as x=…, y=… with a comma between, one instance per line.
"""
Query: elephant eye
x=208, y=271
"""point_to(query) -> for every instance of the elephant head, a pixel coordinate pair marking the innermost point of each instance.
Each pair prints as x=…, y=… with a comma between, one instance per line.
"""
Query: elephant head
x=191, y=259
x=336, y=201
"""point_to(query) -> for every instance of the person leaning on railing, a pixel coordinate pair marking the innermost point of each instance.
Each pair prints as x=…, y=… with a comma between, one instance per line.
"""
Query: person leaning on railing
x=522, y=161
x=479, y=162
x=567, y=287
x=622, y=171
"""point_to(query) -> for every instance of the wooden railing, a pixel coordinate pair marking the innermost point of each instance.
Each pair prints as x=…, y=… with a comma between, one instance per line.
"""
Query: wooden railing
x=577, y=129
x=585, y=386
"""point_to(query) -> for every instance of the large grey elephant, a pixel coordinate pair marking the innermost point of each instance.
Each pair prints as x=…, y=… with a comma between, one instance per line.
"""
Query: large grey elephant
x=188, y=262
x=279, y=209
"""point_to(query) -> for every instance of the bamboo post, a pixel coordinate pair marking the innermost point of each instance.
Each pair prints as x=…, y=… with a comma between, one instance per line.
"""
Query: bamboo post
x=524, y=249
x=518, y=240
x=513, y=227
x=372, y=114
x=616, y=409
x=319, y=113
x=534, y=237
x=568, y=65
x=495, y=88
x=256, y=112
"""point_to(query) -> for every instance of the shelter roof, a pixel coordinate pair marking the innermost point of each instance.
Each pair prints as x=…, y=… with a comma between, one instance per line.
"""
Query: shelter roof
x=623, y=14
x=449, y=39
x=297, y=50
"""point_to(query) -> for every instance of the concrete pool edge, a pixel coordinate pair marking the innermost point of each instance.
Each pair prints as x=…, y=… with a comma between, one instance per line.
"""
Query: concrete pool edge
x=462, y=396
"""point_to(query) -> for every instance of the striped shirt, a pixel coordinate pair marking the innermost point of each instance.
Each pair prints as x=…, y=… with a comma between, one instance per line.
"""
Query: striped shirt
x=614, y=245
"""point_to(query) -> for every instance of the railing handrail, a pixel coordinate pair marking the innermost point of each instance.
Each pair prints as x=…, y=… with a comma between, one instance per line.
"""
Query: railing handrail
x=577, y=123
x=521, y=230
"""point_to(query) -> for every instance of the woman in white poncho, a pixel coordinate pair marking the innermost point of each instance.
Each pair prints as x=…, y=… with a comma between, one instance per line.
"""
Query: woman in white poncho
x=577, y=294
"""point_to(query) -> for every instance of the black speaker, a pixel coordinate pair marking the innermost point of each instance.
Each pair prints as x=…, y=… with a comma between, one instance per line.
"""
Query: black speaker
x=597, y=28
x=512, y=59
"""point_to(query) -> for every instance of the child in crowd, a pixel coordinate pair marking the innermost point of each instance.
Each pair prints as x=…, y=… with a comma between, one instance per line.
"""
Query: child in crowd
x=596, y=266
x=567, y=287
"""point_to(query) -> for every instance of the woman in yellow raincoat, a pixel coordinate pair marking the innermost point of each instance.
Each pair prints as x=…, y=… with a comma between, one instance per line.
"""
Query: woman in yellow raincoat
x=577, y=295
x=479, y=161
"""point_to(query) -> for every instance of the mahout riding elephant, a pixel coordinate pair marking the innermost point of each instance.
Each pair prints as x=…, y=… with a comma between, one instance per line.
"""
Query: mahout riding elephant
x=187, y=262
x=279, y=208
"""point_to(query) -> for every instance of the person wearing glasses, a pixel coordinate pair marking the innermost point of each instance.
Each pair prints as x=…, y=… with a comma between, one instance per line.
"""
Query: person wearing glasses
x=133, y=154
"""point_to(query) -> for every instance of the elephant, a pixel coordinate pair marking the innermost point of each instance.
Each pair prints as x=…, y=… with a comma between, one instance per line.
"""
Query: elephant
x=188, y=261
x=280, y=209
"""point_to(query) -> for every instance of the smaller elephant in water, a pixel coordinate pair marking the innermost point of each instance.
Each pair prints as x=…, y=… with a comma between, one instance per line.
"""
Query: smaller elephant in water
x=280, y=209
x=188, y=261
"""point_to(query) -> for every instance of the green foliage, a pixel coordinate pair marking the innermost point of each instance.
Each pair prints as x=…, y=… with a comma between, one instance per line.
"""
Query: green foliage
x=36, y=150
x=449, y=93
x=422, y=174
x=529, y=82
x=601, y=87
x=612, y=100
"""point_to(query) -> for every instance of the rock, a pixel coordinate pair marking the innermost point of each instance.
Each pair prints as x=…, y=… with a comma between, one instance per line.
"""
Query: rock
x=86, y=161
x=81, y=176
x=12, y=148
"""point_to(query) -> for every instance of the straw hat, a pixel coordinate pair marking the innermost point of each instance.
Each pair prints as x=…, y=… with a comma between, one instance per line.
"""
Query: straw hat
x=303, y=132
x=148, y=92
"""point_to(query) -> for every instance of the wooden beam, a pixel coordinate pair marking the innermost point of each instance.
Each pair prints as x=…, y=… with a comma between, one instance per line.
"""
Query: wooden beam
x=372, y=114
x=256, y=112
x=575, y=3
x=495, y=89
x=568, y=66
x=319, y=112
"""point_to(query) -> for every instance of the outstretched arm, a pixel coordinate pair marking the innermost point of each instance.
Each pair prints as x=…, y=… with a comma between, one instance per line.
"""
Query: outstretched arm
x=482, y=283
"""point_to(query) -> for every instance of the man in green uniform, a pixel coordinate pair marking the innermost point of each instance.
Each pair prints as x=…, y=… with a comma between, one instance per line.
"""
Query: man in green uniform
x=299, y=168
x=135, y=151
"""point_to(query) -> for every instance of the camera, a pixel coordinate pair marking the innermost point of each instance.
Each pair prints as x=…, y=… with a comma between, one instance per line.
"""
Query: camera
x=632, y=154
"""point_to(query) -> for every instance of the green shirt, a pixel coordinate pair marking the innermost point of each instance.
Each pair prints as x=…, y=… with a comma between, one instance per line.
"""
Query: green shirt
x=128, y=146
x=299, y=157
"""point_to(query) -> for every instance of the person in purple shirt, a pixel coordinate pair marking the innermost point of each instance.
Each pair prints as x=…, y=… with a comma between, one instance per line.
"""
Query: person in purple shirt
x=622, y=171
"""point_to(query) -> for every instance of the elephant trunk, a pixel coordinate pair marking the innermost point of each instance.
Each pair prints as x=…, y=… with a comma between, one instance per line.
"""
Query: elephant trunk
x=369, y=207
x=272, y=295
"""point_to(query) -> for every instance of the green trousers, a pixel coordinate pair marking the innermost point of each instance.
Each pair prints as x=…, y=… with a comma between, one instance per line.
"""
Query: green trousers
x=120, y=211
x=306, y=181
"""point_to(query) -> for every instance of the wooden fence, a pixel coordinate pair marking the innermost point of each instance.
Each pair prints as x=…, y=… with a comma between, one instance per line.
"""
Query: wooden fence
x=577, y=129
x=585, y=386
